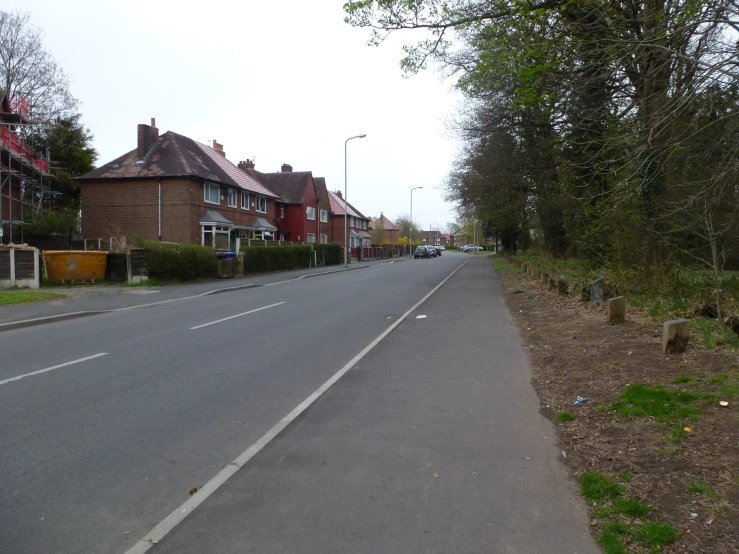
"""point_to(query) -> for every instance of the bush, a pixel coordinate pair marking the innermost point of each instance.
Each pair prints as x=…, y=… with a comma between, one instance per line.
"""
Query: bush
x=180, y=262
x=51, y=223
x=263, y=259
x=329, y=254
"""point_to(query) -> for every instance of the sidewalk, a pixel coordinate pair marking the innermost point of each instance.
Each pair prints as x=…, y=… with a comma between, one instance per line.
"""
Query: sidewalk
x=432, y=443
x=94, y=298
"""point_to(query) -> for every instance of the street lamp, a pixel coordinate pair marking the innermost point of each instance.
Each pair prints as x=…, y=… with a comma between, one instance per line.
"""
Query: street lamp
x=346, y=232
x=410, y=232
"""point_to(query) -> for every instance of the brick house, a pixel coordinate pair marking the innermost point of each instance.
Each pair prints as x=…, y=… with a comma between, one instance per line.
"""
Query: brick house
x=174, y=189
x=357, y=224
x=432, y=237
x=24, y=173
x=392, y=233
x=301, y=211
x=325, y=209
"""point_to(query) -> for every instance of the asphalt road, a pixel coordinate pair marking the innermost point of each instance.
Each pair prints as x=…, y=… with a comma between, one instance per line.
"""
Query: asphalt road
x=159, y=400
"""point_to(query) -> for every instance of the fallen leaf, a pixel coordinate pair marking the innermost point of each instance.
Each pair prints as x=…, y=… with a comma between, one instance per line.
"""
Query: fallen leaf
x=594, y=522
x=688, y=430
x=193, y=491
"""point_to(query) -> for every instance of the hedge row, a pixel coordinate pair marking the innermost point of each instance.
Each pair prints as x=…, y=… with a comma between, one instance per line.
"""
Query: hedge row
x=180, y=262
x=329, y=254
x=263, y=259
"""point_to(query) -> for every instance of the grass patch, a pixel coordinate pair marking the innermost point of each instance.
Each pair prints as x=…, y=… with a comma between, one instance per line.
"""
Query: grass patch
x=564, y=417
x=656, y=534
x=681, y=379
x=613, y=537
x=699, y=487
x=530, y=296
x=499, y=263
x=631, y=507
x=665, y=405
x=518, y=291
x=625, y=476
x=12, y=298
x=596, y=486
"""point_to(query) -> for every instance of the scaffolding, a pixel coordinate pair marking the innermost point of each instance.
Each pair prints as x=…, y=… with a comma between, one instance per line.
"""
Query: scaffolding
x=25, y=181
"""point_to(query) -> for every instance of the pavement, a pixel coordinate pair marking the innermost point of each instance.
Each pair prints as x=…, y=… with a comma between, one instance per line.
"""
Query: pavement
x=410, y=434
x=96, y=298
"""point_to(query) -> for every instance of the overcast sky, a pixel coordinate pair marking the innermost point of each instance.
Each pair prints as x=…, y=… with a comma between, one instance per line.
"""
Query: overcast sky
x=280, y=82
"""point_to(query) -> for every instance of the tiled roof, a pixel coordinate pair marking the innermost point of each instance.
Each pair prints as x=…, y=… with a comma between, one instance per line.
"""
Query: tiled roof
x=322, y=192
x=337, y=206
x=385, y=222
x=290, y=185
x=176, y=155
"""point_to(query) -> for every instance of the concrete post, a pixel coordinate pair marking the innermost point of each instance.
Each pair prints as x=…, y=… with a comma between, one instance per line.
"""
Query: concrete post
x=617, y=310
x=675, y=336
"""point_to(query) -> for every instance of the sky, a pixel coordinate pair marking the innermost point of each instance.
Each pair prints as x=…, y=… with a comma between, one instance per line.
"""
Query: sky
x=278, y=82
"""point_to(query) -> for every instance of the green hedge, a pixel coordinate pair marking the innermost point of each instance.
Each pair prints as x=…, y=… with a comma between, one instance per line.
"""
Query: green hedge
x=180, y=262
x=329, y=254
x=263, y=259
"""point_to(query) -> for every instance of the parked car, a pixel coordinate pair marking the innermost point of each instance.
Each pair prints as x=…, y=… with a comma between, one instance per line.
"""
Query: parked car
x=438, y=250
x=440, y=247
x=432, y=251
x=421, y=252
x=472, y=248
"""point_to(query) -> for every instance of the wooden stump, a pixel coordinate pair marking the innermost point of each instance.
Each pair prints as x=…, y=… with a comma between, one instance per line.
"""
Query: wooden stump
x=617, y=310
x=552, y=283
x=675, y=336
x=545, y=279
x=562, y=287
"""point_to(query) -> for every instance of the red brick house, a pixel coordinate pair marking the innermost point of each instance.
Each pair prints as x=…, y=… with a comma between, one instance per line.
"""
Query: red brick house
x=324, y=209
x=301, y=212
x=24, y=173
x=357, y=224
x=174, y=189
x=392, y=233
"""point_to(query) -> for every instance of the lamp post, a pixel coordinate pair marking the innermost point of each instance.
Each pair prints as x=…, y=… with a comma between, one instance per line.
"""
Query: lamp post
x=346, y=231
x=410, y=231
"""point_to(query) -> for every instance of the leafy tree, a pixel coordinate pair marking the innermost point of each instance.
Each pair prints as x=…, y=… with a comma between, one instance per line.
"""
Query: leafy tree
x=72, y=155
x=403, y=222
x=378, y=234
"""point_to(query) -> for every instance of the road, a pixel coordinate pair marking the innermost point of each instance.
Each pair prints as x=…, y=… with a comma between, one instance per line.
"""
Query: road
x=158, y=401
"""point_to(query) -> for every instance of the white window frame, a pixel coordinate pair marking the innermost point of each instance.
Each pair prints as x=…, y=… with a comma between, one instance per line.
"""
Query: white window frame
x=310, y=238
x=232, y=194
x=207, y=191
x=282, y=211
x=351, y=223
x=324, y=216
x=261, y=199
x=245, y=201
x=324, y=239
x=310, y=213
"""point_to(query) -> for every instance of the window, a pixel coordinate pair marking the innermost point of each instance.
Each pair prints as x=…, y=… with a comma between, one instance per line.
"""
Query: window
x=212, y=194
x=244, y=201
x=324, y=239
x=310, y=212
x=232, y=198
x=311, y=237
x=324, y=216
x=282, y=211
x=364, y=224
x=262, y=204
x=351, y=222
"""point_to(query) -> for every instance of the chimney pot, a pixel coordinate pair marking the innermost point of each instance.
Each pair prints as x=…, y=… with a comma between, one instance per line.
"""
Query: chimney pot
x=247, y=164
x=218, y=148
x=153, y=122
x=286, y=168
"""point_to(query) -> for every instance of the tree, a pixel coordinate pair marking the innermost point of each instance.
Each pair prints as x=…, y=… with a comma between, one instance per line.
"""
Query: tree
x=403, y=222
x=378, y=234
x=72, y=155
x=28, y=71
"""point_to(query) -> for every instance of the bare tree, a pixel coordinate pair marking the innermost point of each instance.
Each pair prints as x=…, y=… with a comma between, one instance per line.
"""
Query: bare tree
x=28, y=71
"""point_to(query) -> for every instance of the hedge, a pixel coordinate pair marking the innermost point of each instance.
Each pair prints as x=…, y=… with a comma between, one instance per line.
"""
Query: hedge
x=262, y=259
x=329, y=254
x=180, y=262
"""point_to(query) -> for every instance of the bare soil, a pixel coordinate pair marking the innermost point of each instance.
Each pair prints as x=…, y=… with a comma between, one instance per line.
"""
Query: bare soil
x=575, y=352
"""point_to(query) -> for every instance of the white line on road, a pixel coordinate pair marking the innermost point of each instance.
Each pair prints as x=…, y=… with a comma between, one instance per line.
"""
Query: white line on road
x=235, y=316
x=6, y=381
x=181, y=512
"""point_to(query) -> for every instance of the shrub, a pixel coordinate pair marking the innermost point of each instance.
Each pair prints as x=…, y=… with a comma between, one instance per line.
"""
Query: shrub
x=329, y=254
x=180, y=262
x=263, y=259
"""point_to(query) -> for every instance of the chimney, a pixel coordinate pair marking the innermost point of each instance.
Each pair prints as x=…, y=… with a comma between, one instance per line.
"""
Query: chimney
x=218, y=148
x=147, y=138
x=338, y=193
x=286, y=168
x=246, y=164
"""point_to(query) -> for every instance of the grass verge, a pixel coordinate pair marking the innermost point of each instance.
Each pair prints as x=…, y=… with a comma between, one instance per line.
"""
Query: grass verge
x=12, y=298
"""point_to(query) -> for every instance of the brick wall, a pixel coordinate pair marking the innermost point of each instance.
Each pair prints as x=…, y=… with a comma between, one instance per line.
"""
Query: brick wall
x=122, y=207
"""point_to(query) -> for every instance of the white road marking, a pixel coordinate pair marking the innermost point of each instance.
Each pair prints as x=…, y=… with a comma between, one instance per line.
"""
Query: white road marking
x=6, y=381
x=235, y=316
x=420, y=317
x=183, y=510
